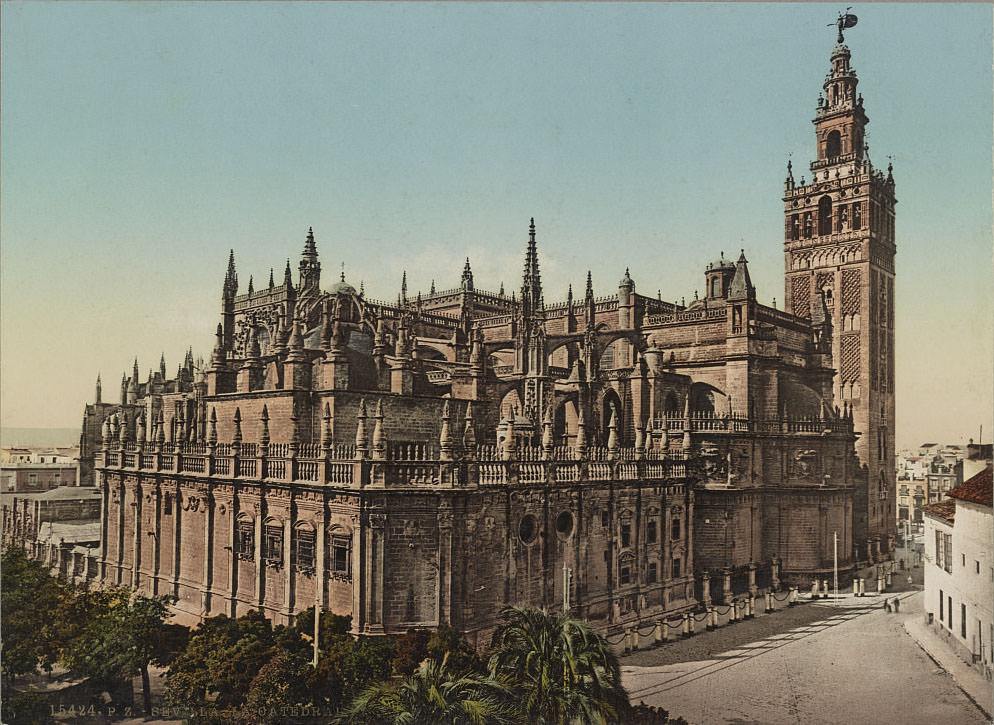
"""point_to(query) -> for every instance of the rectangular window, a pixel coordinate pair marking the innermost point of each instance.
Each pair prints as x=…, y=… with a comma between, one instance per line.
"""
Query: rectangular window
x=272, y=543
x=964, y=559
x=976, y=565
x=650, y=532
x=626, y=535
x=604, y=519
x=625, y=574
x=948, y=545
x=962, y=621
x=949, y=605
x=340, y=547
x=303, y=547
x=942, y=611
x=167, y=505
x=676, y=568
x=245, y=540
x=675, y=528
x=651, y=573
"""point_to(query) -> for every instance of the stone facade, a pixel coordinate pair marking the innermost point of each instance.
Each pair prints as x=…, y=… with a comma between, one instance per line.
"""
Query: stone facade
x=839, y=249
x=440, y=456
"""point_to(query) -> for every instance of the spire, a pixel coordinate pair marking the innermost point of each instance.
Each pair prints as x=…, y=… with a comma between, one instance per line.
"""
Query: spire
x=162, y=365
x=403, y=288
x=231, y=277
x=287, y=276
x=264, y=420
x=361, y=442
x=251, y=287
x=741, y=287
x=272, y=283
x=379, y=438
x=468, y=434
x=432, y=291
x=501, y=293
x=310, y=249
x=212, y=432
x=531, y=284
x=310, y=267
x=326, y=430
x=134, y=372
x=589, y=295
x=445, y=437
x=547, y=442
x=236, y=438
x=467, y=278
x=569, y=299
x=98, y=389
x=612, y=436
x=581, y=434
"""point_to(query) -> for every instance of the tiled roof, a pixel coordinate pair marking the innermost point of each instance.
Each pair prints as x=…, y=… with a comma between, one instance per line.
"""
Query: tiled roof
x=978, y=489
x=945, y=509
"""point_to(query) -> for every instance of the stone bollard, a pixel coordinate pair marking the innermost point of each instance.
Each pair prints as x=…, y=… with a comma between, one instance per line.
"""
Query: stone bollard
x=635, y=638
x=752, y=606
x=664, y=630
x=880, y=585
x=770, y=606
x=690, y=623
x=686, y=626
x=862, y=586
x=659, y=632
x=824, y=588
x=890, y=578
x=628, y=640
x=709, y=622
x=814, y=589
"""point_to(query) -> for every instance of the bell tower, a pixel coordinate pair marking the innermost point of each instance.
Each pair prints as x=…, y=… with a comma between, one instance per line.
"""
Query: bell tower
x=839, y=247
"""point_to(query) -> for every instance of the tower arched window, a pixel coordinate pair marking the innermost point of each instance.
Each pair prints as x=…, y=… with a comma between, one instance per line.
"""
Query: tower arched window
x=833, y=145
x=716, y=287
x=825, y=215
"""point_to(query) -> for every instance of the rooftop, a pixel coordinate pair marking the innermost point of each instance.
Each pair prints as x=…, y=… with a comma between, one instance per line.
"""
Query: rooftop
x=945, y=509
x=977, y=489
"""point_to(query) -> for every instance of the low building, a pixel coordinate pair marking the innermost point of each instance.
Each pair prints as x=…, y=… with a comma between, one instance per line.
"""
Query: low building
x=35, y=477
x=959, y=569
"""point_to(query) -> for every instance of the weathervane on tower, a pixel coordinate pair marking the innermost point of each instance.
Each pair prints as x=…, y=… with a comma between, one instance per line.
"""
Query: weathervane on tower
x=846, y=20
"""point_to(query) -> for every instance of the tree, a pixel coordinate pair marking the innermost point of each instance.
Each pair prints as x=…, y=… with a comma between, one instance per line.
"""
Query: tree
x=562, y=670
x=447, y=641
x=643, y=714
x=220, y=661
x=412, y=649
x=28, y=599
x=120, y=640
x=279, y=692
x=347, y=665
x=433, y=694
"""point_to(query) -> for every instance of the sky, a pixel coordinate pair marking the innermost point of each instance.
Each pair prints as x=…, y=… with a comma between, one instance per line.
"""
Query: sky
x=139, y=142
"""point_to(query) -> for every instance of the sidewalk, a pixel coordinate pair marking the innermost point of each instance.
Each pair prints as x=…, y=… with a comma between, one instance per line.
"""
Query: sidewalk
x=971, y=682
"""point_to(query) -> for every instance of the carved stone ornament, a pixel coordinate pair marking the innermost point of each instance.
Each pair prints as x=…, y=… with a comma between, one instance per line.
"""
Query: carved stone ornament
x=804, y=464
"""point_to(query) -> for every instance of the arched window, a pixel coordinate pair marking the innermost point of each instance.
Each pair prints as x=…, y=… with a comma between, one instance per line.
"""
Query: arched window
x=833, y=145
x=716, y=287
x=825, y=215
x=272, y=541
x=245, y=537
x=671, y=405
x=302, y=554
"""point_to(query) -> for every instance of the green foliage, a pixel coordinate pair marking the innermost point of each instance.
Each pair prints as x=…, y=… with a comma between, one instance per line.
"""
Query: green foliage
x=643, y=714
x=331, y=624
x=221, y=659
x=433, y=694
x=348, y=665
x=28, y=598
x=449, y=642
x=280, y=691
x=562, y=670
x=412, y=649
x=26, y=708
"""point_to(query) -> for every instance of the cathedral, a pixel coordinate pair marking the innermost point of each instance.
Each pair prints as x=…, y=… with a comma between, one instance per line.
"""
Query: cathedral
x=436, y=457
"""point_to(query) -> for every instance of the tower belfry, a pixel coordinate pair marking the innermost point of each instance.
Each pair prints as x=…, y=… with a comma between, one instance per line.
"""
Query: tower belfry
x=839, y=254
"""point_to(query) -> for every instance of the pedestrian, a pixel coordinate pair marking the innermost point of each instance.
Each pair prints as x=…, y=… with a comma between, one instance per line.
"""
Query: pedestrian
x=909, y=580
x=887, y=604
x=897, y=605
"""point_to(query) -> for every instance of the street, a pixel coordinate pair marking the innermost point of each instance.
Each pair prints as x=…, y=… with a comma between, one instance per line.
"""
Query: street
x=857, y=665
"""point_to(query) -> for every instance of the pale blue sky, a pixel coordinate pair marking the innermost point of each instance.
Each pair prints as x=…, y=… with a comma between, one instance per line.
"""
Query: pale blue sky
x=142, y=140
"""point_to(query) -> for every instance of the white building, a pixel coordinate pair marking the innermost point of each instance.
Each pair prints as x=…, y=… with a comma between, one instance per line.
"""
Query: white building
x=959, y=569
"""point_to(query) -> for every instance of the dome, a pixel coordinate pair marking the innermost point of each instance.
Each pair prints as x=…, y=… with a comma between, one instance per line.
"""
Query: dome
x=341, y=287
x=626, y=281
x=721, y=263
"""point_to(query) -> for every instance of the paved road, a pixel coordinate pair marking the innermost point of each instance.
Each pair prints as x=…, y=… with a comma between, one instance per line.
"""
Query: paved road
x=857, y=666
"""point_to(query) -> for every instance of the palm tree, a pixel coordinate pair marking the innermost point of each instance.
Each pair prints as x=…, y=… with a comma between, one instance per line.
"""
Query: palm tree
x=563, y=672
x=432, y=694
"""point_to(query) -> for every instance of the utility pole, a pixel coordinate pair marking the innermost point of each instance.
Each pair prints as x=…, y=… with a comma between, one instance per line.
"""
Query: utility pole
x=317, y=625
x=567, y=576
x=835, y=572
